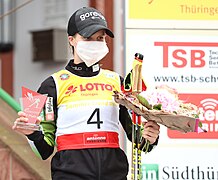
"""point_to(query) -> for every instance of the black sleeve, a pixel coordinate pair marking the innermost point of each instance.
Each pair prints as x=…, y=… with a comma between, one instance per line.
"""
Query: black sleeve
x=125, y=118
x=48, y=87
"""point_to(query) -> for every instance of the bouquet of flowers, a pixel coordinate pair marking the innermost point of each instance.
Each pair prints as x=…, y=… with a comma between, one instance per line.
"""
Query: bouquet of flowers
x=162, y=105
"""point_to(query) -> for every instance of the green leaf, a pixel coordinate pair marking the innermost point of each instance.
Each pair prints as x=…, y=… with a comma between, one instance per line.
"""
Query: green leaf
x=157, y=106
x=196, y=116
x=200, y=124
x=143, y=101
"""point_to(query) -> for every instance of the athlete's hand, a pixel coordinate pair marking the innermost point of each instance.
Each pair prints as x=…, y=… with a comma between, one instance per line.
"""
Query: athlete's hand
x=151, y=131
x=23, y=119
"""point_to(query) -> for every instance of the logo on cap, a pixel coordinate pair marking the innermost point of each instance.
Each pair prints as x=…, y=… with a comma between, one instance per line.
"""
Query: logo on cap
x=91, y=14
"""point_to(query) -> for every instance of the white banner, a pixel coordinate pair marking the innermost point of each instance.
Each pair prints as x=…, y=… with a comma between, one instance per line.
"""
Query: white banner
x=187, y=61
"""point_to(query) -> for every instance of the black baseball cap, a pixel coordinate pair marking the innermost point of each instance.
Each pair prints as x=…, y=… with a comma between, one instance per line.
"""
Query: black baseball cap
x=86, y=21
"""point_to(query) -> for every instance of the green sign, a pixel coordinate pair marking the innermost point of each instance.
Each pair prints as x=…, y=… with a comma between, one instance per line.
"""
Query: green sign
x=150, y=172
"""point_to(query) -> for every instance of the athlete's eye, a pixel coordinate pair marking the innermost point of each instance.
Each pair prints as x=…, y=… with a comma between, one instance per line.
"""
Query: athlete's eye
x=101, y=38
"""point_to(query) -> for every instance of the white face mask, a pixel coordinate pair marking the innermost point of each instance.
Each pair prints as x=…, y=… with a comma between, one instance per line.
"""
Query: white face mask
x=91, y=51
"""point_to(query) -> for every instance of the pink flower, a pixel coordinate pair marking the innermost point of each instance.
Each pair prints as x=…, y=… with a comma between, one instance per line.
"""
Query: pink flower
x=169, y=101
x=167, y=98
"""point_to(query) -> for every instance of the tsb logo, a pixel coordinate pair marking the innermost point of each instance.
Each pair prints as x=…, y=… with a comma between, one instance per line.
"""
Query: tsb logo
x=184, y=54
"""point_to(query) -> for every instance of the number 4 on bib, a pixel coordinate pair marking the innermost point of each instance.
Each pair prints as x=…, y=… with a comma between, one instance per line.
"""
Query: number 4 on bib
x=96, y=113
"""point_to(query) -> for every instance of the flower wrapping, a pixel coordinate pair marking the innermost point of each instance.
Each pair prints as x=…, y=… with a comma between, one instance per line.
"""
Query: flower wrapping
x=162, y=105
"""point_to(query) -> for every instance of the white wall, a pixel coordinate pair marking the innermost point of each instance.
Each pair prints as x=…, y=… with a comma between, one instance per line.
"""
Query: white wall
x=30, y=18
